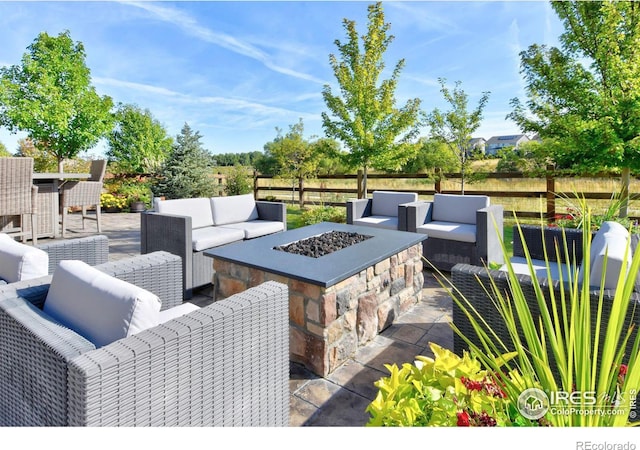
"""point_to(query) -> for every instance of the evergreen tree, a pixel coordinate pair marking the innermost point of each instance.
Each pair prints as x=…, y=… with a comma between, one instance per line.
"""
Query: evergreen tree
x=187, y=171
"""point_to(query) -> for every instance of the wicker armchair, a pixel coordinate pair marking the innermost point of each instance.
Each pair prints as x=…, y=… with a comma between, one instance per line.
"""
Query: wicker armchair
x=84, y=194
x=18, y=194
x=226, y=364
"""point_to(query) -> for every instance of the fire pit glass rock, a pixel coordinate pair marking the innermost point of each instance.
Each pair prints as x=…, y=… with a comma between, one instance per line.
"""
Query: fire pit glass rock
x=317, y=246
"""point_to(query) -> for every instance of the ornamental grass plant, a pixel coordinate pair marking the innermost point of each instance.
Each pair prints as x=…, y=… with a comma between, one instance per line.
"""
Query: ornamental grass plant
x=562, y=353
x=585, y=380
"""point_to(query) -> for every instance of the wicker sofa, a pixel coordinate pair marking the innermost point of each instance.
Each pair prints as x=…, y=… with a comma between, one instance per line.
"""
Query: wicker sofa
x=221, y=365
x=460, y=229
x=188, y=227
x=473, y=282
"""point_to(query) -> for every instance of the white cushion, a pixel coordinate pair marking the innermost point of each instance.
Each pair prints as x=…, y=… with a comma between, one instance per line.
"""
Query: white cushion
x=21, y=262
x=97, y=306
x=385, y=203
x=458, y=208
x=521, y=267
x=256, y=228
x=389, y=223
x=199, y=209
x=461, y=232
x=610, y=243
x=177, y=311
x=233, y=209
x=204, y=238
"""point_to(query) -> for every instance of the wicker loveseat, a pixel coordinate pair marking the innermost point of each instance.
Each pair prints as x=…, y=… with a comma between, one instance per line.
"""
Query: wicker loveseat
x=473, y=282
x=188, y=227
x=221, y=365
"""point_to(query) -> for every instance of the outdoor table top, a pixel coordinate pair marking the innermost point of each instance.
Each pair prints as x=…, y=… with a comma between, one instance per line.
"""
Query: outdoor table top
x=59, y=175
x=326, y=270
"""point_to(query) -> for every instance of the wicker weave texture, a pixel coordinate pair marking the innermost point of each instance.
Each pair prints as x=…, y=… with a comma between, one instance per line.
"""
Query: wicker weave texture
x=474, y=282
x=224, y=365
x=93, y=250
x=18, y=195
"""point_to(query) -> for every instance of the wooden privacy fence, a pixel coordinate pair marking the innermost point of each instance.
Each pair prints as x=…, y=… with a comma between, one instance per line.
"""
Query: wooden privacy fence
x=523, y=196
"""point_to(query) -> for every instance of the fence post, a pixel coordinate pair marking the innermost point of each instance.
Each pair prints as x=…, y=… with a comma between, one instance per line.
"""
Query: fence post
x=255, y=184
x=551, y=194
x=360, y=180
x=437, y=185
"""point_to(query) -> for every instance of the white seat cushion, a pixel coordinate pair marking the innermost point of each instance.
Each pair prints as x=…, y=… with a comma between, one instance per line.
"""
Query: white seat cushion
x=21, y=262
x=209, y=237
x=457, y=208
x=97, y=306
x=461, y=232
x=520, y=267
x=199, y=209
x=257, y=228
x=233, y=209
x=385, y=203
x=177, y=311
x=610, y=243
x=387, y=222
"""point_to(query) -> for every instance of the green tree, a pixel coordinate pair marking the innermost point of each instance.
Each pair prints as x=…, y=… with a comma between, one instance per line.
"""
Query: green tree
x=238, y=181
x=456, y=126
x=530, y=157
x=585, y=96
x=431, y=155
x=295, y=157
x=364, y=116
x=138, y=143
x=50, y=97
x=3, y=150
x=186, y=173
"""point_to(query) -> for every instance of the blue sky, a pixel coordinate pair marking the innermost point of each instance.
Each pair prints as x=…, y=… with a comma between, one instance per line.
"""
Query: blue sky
x=236, y=70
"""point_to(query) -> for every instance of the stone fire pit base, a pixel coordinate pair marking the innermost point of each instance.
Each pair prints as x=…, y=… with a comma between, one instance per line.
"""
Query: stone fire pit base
x=328, y=324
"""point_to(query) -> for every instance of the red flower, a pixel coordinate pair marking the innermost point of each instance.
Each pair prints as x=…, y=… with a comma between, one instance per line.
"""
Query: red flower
x=623, y=369
x=463, y=419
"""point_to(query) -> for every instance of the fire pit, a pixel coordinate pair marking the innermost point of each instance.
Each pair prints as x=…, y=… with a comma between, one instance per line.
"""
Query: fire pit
x=317, y=246
x=340, y=296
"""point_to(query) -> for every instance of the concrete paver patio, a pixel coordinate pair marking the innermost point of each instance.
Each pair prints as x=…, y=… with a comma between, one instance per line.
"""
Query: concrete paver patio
x=342, y=397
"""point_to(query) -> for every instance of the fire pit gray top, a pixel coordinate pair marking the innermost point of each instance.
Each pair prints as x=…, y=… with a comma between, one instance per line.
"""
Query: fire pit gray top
x=326, y=270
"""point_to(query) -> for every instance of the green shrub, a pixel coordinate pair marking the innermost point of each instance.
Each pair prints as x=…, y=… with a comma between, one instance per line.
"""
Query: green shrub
x=238, y=182
x=447, y=390
x=324, y=214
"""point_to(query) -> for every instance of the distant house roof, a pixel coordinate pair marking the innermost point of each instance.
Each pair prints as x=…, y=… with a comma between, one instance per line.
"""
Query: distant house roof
x=512, y=140
x=476, y=141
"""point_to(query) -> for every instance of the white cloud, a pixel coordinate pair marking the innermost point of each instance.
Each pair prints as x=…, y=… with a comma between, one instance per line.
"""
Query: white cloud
x=189, y=25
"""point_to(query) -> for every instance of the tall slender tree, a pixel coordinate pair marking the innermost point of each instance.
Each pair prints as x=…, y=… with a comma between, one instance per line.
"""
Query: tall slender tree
x=456, y=126
x=50, y=97
x=364, y=116
x=585, y=95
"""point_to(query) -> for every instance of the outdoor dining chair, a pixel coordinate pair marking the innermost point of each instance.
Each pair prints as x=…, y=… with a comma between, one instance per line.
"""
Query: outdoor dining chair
x=18, y=195
x=83, y=194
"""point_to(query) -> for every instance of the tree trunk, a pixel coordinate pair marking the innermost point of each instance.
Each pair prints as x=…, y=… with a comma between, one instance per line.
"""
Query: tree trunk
x=301, y=192
x=61, y=165
x=364, y=181
x=624, y=194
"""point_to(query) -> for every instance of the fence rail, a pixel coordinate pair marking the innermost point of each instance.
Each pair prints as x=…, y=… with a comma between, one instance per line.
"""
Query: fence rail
x=548, y=201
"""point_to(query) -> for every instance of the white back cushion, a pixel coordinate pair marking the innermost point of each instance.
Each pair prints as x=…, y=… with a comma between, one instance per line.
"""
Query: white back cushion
x=21, y=262
x=458, y=208
x=199, y=209
x=97, y=306
x=610, y=240
x=233, y=209
x=385, y=203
